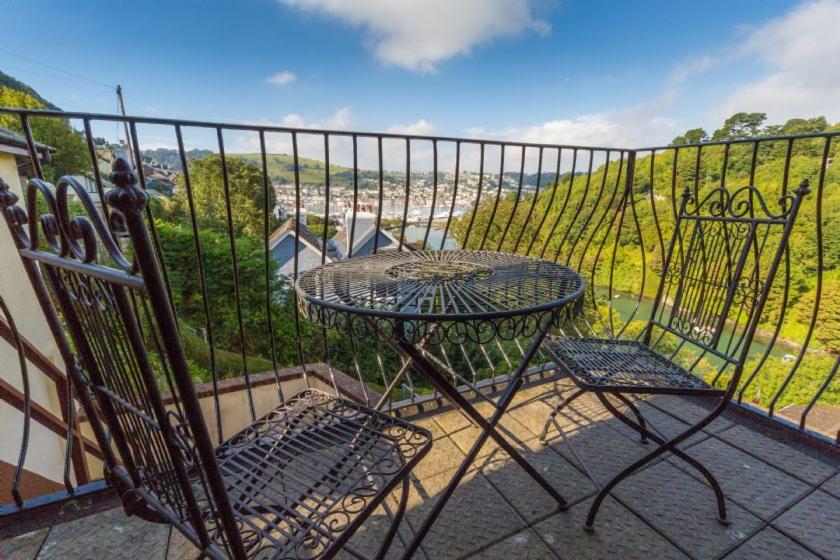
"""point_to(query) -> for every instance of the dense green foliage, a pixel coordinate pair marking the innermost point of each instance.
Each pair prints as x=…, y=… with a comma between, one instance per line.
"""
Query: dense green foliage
x=12, y=83
x=240, y=205
x=71, y=156
x=586, y=220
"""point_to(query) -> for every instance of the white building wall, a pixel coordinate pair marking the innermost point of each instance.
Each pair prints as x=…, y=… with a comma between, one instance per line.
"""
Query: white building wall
x=45, y=455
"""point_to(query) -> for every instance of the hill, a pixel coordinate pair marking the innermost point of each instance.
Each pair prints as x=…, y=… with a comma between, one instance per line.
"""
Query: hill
x=17, y=85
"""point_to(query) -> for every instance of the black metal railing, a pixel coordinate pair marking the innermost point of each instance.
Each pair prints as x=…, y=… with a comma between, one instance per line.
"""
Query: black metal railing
x=255, y=205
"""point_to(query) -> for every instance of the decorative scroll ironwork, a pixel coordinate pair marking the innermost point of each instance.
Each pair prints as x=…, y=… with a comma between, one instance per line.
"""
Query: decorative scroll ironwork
x=441, y=296
x=296, y=495
x=712, y=280
x=743, y=202
x=294, y=484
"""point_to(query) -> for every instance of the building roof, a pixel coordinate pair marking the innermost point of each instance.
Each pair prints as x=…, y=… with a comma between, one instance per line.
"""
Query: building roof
x=288, y=227
x=14, y=143
x=364, y=232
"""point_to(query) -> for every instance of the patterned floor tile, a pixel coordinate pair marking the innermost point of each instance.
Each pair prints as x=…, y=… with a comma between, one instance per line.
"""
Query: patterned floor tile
x=526, y=545
x=466, y=436
x=661, y=423
x=180, y=548
x=815, y=521
x=371, y=535
x=832, y=486
x=770, y=544
x=443, y=456
x=684, y=510
x=546, y=390
x=430, y=424
x=451, y=421
x=110, y=535
x=23, y=547
x=761, y=489
x=602, y=449
x=619, y=534
x=528, y=497
x=689, y=411
x=786, y=456
x=474, y=517
x=584, y=411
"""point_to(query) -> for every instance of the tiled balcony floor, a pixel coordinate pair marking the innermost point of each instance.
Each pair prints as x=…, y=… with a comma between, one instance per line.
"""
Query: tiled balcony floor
x=784, y=497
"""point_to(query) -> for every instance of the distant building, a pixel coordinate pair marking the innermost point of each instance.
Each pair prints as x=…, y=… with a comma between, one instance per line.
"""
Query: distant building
x=364, y=235
x=281, y=243
x=281, y=247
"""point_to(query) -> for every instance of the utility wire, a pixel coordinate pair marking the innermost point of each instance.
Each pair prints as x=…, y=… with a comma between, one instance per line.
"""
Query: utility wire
x=14, y=69
x=51, y=67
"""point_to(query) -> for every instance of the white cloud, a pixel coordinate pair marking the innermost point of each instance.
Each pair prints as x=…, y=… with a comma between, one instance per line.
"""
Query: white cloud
x=339, y=120
x=281, y=79
x=309, y=145
x=418, y=34
x=691, y=67
x=420, y=128
x=641, y=125
x=800, y=51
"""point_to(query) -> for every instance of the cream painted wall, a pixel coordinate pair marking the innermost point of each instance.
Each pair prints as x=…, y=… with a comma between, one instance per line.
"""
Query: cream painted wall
x=45, y=455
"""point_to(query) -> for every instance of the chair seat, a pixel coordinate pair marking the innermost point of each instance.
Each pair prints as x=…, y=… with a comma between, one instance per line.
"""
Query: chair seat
x=624, y=366
x=303, y=475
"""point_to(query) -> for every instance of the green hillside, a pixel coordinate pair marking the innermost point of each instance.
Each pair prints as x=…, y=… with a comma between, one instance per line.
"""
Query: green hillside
x=17, y=85
x=281, y=168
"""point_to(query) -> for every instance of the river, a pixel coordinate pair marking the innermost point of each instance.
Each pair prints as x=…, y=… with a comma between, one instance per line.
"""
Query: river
x=623, y=305
x=415, y=234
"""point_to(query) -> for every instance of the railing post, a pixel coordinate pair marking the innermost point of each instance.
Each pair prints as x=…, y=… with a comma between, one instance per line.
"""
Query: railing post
x=631, y=172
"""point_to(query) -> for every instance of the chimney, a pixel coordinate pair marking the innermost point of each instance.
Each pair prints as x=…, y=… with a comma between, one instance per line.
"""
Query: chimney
x=302, y=215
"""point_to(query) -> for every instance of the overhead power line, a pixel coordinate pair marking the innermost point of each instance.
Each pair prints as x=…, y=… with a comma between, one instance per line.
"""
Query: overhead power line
x=79, y=77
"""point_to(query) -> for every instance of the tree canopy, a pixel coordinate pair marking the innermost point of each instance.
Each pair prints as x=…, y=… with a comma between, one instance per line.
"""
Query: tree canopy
x=245, y=186
x=71, y=156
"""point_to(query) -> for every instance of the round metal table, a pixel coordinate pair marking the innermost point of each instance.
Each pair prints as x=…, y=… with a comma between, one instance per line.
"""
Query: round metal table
x=449, y=294
x=416, y=298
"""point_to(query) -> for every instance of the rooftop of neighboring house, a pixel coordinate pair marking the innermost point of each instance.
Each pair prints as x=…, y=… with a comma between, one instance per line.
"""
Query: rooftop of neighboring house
x=15, y=143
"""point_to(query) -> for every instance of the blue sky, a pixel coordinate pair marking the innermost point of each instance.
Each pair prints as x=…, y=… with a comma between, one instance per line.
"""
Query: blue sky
x=551, y=70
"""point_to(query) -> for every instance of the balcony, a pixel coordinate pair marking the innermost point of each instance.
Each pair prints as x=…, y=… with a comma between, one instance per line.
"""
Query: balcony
x=784, y=495
x=236, y=225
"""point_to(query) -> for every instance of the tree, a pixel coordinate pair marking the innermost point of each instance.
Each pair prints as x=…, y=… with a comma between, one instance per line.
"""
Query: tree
x=246, y=190
x=804, y=126
x=740, y=125
x=828, y=322
x=71, y=156
x=180, y=259
x=693, y=136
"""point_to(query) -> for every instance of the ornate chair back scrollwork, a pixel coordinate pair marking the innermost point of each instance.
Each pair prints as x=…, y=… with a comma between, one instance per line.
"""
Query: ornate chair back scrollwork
x=716, y=277
x=719, y=268
x=131, y=377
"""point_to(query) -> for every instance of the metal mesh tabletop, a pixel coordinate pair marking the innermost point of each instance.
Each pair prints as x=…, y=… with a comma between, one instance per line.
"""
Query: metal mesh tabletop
x=440, y=286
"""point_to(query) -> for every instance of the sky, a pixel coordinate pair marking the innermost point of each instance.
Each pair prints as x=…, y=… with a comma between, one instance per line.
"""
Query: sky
x=593, y=72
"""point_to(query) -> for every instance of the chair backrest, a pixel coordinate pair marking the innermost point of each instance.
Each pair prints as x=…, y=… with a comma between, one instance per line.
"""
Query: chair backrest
x=719, y=268
x=130, y=373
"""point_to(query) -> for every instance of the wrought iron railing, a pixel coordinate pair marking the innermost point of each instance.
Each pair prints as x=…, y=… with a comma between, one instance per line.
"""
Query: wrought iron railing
x=605, y=211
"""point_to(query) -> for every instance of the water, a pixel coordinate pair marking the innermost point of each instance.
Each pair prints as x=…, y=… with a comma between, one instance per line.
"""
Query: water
x=624, y=304
x=415, y=234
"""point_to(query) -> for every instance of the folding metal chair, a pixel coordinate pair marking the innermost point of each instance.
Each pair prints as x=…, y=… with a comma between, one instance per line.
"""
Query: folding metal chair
x=715, y=282
x=295, y=484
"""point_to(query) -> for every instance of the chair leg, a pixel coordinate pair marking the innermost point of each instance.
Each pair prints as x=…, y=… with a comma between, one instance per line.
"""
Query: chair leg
x=710, y=478
x=553, y=416
x=395, y=522
x=664, y=447
x=639, y=418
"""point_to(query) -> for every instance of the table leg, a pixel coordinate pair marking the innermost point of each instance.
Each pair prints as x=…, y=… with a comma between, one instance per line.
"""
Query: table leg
x=488, y=427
